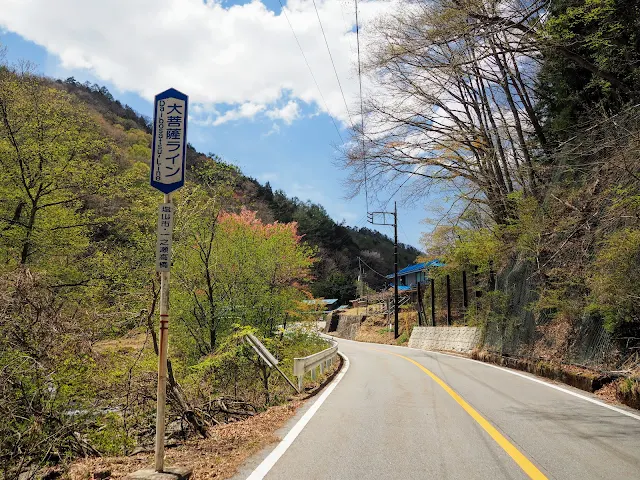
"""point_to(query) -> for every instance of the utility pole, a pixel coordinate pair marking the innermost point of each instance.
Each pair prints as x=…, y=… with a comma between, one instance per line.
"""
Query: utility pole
x=359, y=278
x=361, y=286
x=371, y=216
x=395, y=269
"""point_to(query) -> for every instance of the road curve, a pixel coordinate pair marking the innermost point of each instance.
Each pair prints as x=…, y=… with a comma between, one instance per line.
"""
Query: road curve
x=400, y=413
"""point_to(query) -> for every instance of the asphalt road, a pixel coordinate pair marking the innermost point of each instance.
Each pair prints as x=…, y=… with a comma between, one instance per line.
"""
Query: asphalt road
x=388, y=418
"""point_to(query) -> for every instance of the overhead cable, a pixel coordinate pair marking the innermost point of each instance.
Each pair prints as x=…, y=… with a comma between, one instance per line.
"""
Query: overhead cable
x=326, y=106
x=364, y=156
x=373, y=270
x=332, y=62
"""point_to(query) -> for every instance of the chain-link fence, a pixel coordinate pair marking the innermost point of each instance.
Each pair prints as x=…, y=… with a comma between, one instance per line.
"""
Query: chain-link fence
x=512, y=329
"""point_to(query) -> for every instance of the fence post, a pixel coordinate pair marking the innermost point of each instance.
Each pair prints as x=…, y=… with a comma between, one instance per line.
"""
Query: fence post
x=465, y=299
x=448, y=301
x=433, y=302
x=300, y=383
x=420, y=309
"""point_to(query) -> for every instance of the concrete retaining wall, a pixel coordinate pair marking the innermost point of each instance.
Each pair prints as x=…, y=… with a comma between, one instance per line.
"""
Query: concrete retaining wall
x=455, y=339
x=348, y=326
x=331, y=322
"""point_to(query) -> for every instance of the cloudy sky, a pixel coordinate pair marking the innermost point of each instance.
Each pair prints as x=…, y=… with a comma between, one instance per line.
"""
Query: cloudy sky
x=253, y=100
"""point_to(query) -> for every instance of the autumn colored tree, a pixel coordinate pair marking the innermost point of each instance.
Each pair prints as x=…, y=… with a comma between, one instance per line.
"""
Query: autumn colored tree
x=235, y=269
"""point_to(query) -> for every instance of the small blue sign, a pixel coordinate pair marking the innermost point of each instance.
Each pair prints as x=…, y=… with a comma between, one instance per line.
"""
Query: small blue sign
x=169, y=150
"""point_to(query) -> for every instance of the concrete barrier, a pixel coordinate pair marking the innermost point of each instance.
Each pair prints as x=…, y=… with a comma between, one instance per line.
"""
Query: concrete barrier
x=454, y=339
x=348, y=326
x=331, y=322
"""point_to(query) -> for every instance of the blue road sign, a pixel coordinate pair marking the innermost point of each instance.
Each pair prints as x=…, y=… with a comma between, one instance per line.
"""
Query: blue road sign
x=169, y=150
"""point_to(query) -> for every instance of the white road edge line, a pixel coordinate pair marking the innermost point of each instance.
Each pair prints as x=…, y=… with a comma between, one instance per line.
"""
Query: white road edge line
x=268, y=463
x=550, y=385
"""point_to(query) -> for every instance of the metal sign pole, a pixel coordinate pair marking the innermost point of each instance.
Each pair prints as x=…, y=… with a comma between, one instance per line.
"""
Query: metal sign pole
x=168, y=162
x=162, y=363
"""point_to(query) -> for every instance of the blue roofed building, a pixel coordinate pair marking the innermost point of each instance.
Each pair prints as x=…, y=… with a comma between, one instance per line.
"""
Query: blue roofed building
x=409, y=276
x=323, y=304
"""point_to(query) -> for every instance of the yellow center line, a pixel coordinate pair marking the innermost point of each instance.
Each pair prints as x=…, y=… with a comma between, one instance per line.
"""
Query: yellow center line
x=523, y=462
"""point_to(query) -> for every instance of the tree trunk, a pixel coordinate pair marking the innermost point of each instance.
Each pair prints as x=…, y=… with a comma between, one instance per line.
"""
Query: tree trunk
x=26, y=244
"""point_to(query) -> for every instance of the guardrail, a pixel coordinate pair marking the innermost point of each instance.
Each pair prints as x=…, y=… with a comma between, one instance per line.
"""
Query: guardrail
x=311, y=363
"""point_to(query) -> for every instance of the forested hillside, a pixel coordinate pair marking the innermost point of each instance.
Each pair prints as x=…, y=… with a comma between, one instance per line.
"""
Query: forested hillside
x=79, y=294
x=528, y=112
x=339, y=246
x=527, y=116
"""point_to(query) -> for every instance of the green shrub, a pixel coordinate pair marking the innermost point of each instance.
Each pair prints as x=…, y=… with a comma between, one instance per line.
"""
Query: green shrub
x=615, y=296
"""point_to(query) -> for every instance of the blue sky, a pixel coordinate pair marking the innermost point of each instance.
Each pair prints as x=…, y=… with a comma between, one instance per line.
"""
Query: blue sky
x=256, y=105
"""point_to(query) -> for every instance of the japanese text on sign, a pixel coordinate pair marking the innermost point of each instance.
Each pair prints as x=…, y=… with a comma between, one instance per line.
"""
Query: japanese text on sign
x=169, y=140
x=168, y=164
x=163, y=245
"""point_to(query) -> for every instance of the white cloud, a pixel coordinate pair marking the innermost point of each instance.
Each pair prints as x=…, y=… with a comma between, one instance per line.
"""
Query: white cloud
x=246, y=110
x=287, y=114
x=275, y=129
x=242, y=56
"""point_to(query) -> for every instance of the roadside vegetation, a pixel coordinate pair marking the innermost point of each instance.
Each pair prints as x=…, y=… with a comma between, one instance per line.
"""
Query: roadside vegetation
x=524, y=115
x=526, y=118
x=79, y=295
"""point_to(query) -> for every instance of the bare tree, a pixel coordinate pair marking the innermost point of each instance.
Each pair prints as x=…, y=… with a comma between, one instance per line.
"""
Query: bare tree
x=452, y=100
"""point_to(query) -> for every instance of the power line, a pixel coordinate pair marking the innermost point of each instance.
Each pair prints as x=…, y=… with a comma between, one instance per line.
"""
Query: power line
x=372, y=269
x=332, y=62
x=364, y=156
x=398, y=189
x=311, y=71
x=406, y=237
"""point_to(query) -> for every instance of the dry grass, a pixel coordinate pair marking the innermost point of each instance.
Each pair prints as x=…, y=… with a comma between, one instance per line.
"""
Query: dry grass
x=375, y=329
x=554, y=339
x=372, y=309
x=608, y=392
x=216, y=457
x=131, y=342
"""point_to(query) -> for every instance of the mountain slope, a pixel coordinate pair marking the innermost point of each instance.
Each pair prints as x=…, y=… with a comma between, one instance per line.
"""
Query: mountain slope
x=338, y=245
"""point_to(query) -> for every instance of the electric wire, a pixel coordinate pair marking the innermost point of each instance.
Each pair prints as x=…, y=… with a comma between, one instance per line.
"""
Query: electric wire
x=398, y=189
x=372, y=269
x=326, y=106
x=406, y=237
x=332, y=62
x=364, y=156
